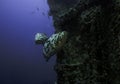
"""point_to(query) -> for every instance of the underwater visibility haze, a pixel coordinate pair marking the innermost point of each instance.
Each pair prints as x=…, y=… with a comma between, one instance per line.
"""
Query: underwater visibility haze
x=21, y=60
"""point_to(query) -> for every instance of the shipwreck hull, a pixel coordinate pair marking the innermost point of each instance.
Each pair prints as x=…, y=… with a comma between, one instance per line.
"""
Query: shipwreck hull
x=91, y=54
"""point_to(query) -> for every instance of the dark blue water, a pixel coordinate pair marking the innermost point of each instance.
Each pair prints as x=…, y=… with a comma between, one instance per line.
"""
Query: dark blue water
x=21, y=61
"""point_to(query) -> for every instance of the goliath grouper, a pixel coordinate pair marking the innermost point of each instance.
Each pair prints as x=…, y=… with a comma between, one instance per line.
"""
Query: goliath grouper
x=52, y=44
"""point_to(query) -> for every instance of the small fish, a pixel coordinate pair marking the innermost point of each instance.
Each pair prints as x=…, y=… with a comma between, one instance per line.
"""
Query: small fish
x=38, y=9
x=43, y=13
x=48, y=17
x=33, y=12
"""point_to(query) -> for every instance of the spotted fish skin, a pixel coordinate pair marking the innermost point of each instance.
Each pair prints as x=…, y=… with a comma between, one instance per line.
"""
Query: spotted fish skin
x=54, y=44
x=40, y=38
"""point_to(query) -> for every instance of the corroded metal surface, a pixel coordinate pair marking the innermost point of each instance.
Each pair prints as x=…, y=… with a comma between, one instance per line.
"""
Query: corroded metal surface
x=91, y=55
